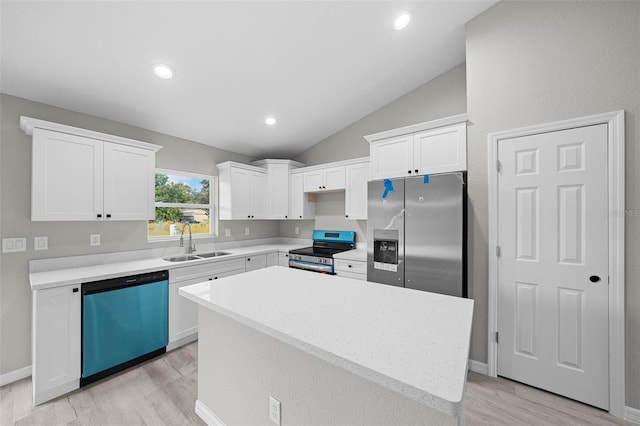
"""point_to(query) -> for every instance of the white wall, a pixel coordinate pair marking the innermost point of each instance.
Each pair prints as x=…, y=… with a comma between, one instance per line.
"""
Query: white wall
x=535, y=62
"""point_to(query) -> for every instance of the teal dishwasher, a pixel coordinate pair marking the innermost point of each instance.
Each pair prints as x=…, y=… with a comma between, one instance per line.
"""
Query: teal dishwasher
x=125, y=321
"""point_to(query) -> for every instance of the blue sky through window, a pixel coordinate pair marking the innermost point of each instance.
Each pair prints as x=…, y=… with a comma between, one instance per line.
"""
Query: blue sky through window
x=190, y=181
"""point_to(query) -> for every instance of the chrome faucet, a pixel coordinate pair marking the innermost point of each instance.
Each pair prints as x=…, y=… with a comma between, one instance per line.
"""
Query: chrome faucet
x=191, y=247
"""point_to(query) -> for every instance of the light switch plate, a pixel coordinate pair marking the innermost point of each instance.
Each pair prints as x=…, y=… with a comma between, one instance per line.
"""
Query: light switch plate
x=40, y=243
x=94, y=240
x=14, y=245
x=247, y=231
x=227, y=232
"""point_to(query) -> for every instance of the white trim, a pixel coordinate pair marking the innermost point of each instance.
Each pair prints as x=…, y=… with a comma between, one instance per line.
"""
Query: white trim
x=478, y=367
x=270, y=161
x=616, y=188
x=27, y=124
x=427, y=125
x=632, y=415
x=15, y=375
x=207, y=415
x=345, y=163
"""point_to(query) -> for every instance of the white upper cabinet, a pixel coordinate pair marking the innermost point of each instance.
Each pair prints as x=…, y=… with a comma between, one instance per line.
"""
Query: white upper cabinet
x=433, y=147
x=324, y=179
x=242, y=191
x=81, y=178
x=357, y=176
x=300, y=205
x=278, y=192
x=392, y=158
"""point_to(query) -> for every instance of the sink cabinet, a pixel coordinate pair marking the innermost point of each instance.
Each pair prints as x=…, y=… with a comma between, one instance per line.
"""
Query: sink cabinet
x=56, y=341
x=89, y=178
x=183, y=314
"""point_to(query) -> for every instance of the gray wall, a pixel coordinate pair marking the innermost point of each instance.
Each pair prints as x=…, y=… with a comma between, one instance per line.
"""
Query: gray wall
x=443, y=96
x=72, y=238
x=537, y=62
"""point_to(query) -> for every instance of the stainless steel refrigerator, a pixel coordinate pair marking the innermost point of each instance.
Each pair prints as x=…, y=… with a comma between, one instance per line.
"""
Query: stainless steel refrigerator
x=416, y=233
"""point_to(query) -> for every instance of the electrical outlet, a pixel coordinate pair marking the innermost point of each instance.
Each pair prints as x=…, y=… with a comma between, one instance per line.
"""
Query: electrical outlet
x=227, y=232
x=274, y=410
x=94, y=240
x=297, y=230
x=247, y=231
x=12, y=245
x=40, y=243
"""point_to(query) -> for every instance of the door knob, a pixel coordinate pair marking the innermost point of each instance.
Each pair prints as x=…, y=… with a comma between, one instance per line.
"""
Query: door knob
x=594, y=278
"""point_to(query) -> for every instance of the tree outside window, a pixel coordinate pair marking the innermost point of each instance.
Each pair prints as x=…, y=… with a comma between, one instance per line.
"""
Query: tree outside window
x=182, y=198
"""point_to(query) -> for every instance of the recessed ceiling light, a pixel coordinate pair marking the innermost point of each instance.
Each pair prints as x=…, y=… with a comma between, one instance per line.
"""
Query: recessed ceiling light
x=163, y=71
x=270, y=121
x=402, y=20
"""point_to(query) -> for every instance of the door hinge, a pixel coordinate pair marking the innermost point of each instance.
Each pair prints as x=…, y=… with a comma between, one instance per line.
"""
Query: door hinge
x=497, y=165
x=498, y=251
x=497, y=337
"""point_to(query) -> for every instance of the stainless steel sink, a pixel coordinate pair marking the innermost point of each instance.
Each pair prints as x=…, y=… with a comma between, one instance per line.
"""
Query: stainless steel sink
x=185, y=257
x=181, y=258
x=213, y=254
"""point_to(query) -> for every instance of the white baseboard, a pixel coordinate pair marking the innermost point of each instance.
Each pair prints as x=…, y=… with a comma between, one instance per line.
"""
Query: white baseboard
x=181, y=342
x=15, y=375
x=478, y=367
x=632, y=415
x=207, y=415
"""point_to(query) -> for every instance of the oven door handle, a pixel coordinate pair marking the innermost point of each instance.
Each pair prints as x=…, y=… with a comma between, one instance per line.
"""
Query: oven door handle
x=298, y=264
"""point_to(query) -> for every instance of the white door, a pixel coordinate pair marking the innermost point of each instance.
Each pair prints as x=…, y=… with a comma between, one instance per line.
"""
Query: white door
x=440, y=150
x=240, y=193
x=553, y=265
x=392, y=157
x=334, y=178
x=129, y=182
x=258, y=195
x=356, y=191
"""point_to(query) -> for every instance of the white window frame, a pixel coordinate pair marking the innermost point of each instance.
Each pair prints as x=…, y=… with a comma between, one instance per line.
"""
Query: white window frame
x=212, y=207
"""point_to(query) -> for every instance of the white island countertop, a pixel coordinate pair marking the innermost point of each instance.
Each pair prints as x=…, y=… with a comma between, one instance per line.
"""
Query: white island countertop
x=412, y=342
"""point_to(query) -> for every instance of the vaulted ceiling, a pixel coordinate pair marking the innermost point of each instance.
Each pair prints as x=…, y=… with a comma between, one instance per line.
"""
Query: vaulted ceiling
x=315, y=66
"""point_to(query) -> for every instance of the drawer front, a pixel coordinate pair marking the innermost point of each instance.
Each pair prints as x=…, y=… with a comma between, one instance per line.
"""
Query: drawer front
x=210, y=268
x=343, y=274
x=283, y=259
x=354, y=266
x=258, y=261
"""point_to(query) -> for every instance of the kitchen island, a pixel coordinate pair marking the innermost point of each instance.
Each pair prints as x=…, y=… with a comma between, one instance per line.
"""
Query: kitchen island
x=332, y=350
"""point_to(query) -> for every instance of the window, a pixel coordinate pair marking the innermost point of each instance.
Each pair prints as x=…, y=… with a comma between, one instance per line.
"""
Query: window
x=183, y=198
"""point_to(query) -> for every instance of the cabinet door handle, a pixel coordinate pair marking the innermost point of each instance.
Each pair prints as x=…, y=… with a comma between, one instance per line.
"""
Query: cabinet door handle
x=300, y=217
x=248, y=216
x=75, y=290
x=99, y=215
x=215, y=278
x=248, y=259
x=349, y=266
x=108, y=215
x=409, y=171
x=416, y=170
x=210, y=279
x=285, y=216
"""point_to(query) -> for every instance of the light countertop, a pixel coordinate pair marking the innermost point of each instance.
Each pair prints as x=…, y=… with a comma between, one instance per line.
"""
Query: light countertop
x=80, y=274
x=357, y=254
x=413, y=342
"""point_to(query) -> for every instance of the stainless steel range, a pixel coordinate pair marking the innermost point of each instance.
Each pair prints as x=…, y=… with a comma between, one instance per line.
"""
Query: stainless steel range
x=319, y=257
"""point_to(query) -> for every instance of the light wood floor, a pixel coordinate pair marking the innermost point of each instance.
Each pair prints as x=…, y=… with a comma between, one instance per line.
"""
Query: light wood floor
x=163, y=392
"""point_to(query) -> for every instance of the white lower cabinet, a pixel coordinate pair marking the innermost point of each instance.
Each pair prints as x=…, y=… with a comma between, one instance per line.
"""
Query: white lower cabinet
x=272, y=259
x=355, y=269
x=56, y=342
x=283, y=259
x=258, y=261
x=183, y=313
